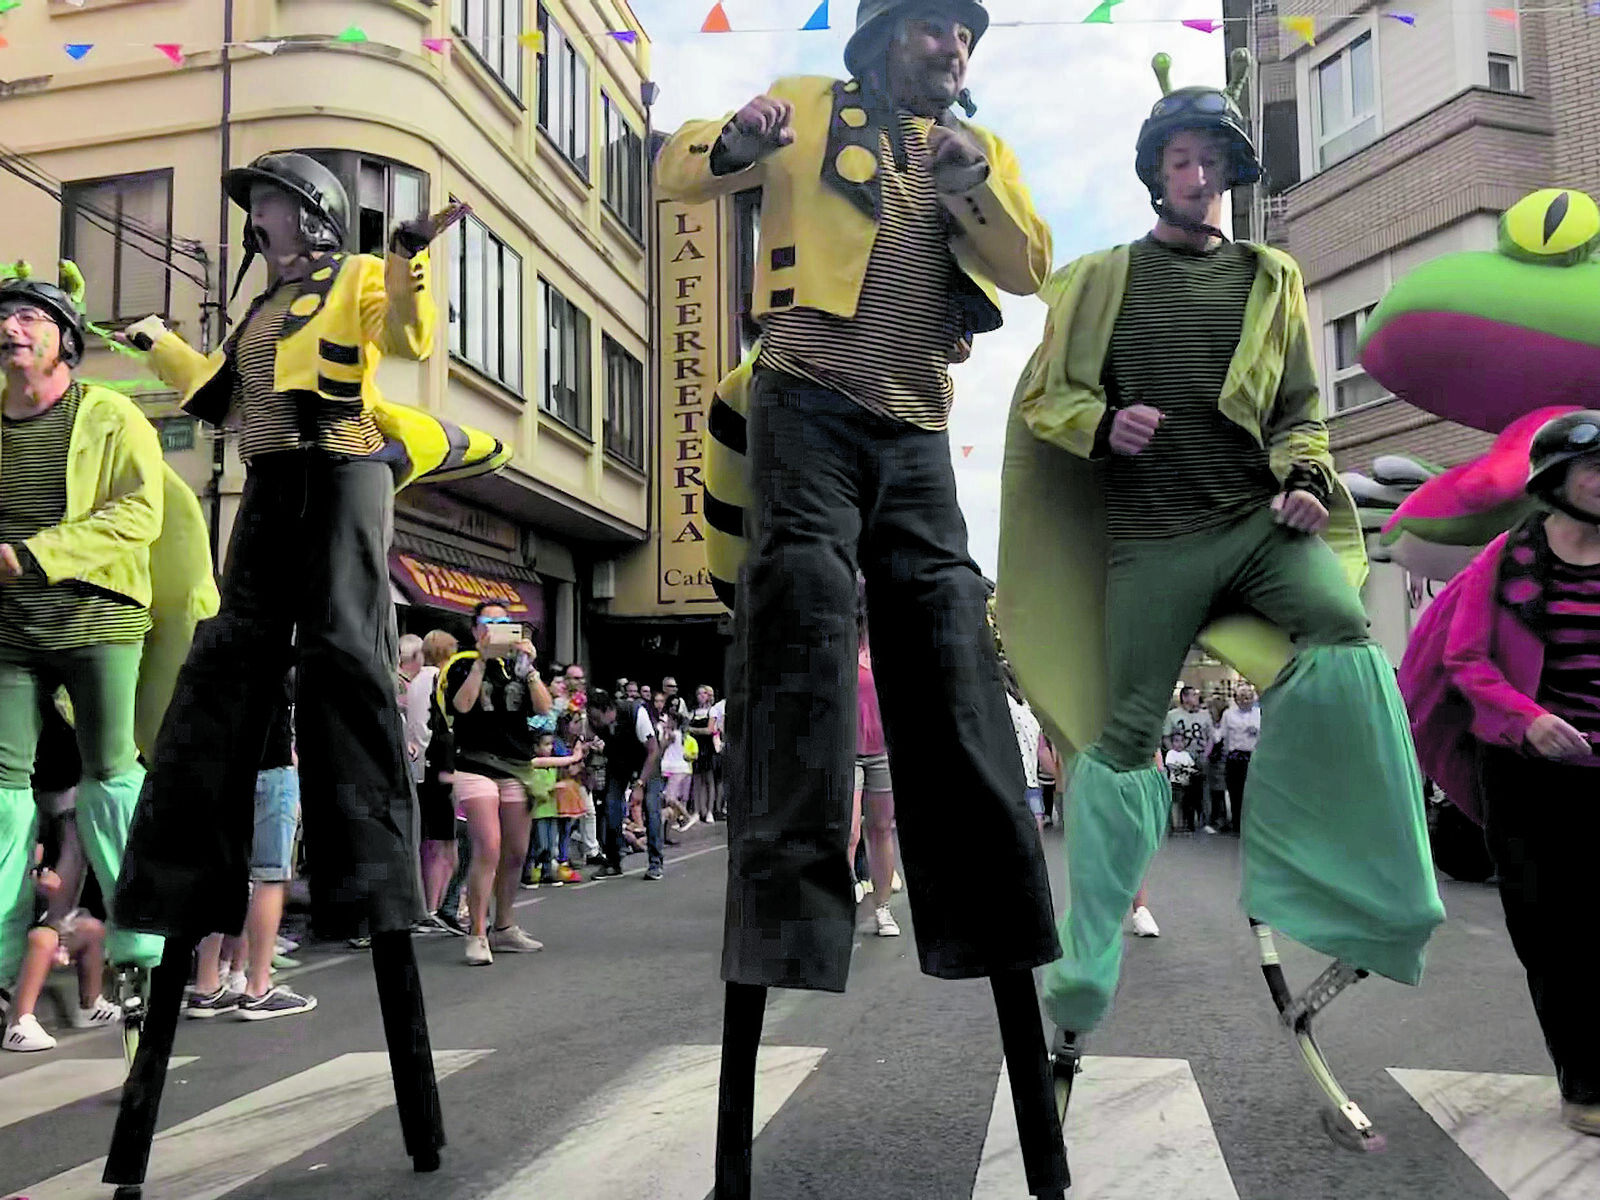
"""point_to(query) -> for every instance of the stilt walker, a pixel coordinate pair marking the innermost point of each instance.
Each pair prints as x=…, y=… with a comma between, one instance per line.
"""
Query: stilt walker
x=306, y=585
x=887, y=227
x=1181, y=367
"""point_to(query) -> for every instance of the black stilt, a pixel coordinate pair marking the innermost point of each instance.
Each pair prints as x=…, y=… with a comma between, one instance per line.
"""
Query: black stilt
x=129, y=1158
x=742, y=1014
x=405, y=1028
x=1044, y=1153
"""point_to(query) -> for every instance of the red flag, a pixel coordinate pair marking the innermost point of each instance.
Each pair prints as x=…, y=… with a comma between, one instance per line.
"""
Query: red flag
x=172, y=50
x=716, y=20
x=966, y=451
x=1508, y=15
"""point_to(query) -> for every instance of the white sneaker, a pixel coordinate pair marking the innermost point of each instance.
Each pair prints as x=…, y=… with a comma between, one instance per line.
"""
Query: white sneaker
x=1144, y=925
x=899, y=885
x=28, y=1036
x=887, y=925
x=102, y=1014
x=513, y=940
x=694, y=819
x=478, y=953
x=861, y=891
x=239, y=982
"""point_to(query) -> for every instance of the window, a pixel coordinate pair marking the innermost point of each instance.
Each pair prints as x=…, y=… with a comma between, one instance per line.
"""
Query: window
x=1347, y=102
x=1503, y=73
x=1352, y=387
x=491, y=28
x=382, y=193
x=624, y=404
x=119, y=233
x=747, y=245
x=566, y=360
x=486, y=303
x=564, y=94
x=624, y=168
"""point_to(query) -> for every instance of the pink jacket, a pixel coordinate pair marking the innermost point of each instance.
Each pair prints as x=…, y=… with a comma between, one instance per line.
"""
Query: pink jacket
x=1469, y=677
x=869, y=722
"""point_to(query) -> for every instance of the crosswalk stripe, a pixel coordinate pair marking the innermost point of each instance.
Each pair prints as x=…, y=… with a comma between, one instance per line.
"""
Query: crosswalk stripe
x=652, y=1133
x=63, y=1081
x=1509, y=1126
x=1137, y=1129
x=226, y=1147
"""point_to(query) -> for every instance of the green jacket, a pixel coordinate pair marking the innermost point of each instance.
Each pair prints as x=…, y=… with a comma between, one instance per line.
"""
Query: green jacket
x=116, y=488
x=1053, y=545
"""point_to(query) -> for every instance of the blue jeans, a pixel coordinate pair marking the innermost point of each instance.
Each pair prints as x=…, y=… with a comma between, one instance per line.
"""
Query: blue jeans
x=277, y=817
x=618, y=794
x=548, y=844
x=653, y=791
x=452, y=894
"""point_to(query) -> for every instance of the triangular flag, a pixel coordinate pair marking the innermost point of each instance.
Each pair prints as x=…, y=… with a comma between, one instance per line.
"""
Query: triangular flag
x=624, y=35
x=716, y=20
x=352, y=33
x=172, y=50
x=78, y=51
x=1102, y=13
x=818, y=20
x=1304, y=27
x=437, y=45
x=966, y=451
x=1508, y=15
x=1203, y=24
x=1403, y=18
x=3, y=43
x=1594, y=9
x=264, y=47
x=532, y=41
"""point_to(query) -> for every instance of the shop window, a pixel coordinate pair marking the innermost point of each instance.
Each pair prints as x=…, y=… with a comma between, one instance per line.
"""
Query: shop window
x=119, y=232
x=566, y=360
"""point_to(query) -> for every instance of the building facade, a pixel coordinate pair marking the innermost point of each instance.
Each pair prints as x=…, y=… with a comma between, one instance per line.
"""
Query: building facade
x=532, y=111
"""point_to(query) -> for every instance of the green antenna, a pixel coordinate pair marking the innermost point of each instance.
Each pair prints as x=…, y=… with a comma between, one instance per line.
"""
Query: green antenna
x=1161, y=64
x=1239, y=63
x=72, y=282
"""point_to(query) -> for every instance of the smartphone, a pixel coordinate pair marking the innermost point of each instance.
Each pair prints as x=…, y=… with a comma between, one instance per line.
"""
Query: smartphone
x=503, y=637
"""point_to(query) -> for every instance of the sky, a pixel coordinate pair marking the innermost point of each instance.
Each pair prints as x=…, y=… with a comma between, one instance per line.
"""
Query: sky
x=1067, y=98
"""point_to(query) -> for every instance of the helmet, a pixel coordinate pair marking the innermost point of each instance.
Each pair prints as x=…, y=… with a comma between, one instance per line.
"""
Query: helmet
x=302, y=177
x=1210, y=108
x=875, y=18
x=61, y=307
x=1555, y=447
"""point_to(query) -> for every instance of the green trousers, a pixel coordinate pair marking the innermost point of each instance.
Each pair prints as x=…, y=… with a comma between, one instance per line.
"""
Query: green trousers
x=1335, y=837
x=102, y=682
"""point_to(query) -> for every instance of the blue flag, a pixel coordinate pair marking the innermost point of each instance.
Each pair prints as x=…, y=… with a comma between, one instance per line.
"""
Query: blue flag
x=819, y=19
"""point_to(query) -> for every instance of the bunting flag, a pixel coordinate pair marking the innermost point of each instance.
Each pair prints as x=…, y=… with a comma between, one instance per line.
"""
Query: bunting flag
x=78, y=51
x=1508, y=15
x=716, y=20
x=1403, y=18
x=531, y=41
x=437, y=45
x=1102, y=13
x=623, y=35
x=966, y=451
x=1305, y=28
x=7, y=5
x=352, y=33
x=172, y=50
x=818, y=19
x=3, y=43
x=1203, y=24
x=264, y=47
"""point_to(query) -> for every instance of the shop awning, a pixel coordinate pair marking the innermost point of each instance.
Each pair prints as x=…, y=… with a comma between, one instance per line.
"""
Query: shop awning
x=436, y=575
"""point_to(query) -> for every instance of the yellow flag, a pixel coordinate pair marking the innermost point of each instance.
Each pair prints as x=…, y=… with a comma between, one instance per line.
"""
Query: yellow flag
x=1305, y=27
x=532, y=41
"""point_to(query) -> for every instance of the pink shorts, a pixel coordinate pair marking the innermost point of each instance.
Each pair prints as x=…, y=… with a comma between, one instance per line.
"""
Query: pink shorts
x=469, y=789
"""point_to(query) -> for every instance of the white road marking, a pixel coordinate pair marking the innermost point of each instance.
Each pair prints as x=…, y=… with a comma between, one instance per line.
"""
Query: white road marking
x=228, y=1146
x=62, y=1081
x=1510, y=1125
x=654, y=1132
x=1137, y=1129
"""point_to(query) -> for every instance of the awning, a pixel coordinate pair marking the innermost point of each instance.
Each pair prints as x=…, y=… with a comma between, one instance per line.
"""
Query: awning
x=437, y=575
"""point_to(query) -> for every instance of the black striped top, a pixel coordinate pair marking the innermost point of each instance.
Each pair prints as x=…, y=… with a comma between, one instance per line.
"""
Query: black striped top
x=1570, y=684
x=34, y=613
x=893, y=356
x=269, y=419
x=1171, y=347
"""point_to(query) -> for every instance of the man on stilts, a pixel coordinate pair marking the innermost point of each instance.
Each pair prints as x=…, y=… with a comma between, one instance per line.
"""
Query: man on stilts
x=306, y=586
x=1181, y=366
x=887, y=226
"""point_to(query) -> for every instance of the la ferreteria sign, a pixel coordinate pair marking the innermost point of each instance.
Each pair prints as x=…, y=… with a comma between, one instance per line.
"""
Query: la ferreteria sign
x=690, y=360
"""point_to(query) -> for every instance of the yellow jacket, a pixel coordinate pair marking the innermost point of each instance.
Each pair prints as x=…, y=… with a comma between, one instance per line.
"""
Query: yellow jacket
x=116, y=486
x=1053, y=545
x=819, y=203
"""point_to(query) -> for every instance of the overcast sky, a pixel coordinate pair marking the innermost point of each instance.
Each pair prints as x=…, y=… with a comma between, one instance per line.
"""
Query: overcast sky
x=1068, y=99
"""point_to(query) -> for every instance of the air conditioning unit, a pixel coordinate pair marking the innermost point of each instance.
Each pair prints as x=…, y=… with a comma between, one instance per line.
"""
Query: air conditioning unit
x=603, y=584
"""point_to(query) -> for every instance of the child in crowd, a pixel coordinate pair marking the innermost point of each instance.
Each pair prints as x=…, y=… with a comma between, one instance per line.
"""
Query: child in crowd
x=543, y=775
x=678, y=772
x=1181, y=768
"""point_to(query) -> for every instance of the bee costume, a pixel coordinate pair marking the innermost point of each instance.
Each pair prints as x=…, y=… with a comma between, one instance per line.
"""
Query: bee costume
x=1105, y=582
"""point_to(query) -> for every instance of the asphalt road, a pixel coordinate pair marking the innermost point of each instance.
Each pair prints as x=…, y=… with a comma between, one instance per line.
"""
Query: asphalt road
x=594, y=1078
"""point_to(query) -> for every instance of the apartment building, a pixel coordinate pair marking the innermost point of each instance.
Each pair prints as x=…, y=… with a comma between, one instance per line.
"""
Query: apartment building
x=114, y=155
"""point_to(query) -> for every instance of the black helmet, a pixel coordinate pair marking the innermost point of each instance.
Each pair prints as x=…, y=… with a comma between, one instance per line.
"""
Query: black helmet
x=875, y=17
x=301, y=176
x=61, y=307
x=1555, y=447
x=1210, y=108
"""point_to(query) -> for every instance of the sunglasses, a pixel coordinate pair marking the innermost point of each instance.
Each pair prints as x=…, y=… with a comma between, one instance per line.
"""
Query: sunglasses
x=1208, y=104
x=495, y=621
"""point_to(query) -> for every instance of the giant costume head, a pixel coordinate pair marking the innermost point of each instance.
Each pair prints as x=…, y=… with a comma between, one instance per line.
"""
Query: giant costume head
x=877, y=21
x=1215, y=110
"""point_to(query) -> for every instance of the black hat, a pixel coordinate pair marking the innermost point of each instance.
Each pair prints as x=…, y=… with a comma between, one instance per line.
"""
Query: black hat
x=1209, y=108
x=1555, y=447
x=875, y=17
x=56, y=302
x=301, y=176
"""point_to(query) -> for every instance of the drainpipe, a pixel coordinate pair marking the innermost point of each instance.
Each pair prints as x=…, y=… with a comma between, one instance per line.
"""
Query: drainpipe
x=219, y=313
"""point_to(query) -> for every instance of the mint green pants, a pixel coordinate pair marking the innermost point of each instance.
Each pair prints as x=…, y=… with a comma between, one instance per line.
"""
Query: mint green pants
x=1335, y=838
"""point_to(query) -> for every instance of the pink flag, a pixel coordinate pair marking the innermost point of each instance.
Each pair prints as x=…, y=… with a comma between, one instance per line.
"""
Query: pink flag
x=1203, y=24
x=966, y=451
x=172, y=50
x=437, y=45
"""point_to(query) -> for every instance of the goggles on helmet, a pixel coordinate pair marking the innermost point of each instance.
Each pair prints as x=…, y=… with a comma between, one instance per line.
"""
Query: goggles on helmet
x=1203, y=104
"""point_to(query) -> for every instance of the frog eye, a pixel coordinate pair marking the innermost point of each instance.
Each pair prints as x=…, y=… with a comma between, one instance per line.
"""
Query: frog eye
x=1555, y=227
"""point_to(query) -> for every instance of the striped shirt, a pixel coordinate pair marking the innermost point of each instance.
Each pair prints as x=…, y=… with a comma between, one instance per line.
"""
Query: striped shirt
x=893, y=356
x=34, y=613
x=1570, y=684
x=269, y=419
x=1174, y=339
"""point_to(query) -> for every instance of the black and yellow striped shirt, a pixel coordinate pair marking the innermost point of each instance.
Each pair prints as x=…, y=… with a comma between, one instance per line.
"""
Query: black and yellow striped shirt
x=269, y=420
x=893, y=356
x=34, y=613
x=1174, y=339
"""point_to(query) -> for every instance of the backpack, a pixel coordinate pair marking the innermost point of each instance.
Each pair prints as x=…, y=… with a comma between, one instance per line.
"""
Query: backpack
x=691, y=748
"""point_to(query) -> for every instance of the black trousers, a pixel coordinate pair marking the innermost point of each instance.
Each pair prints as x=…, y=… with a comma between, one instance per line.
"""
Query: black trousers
x=1236, y=769
x=1543, y=829
x=307, y=585
x=837, y=487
